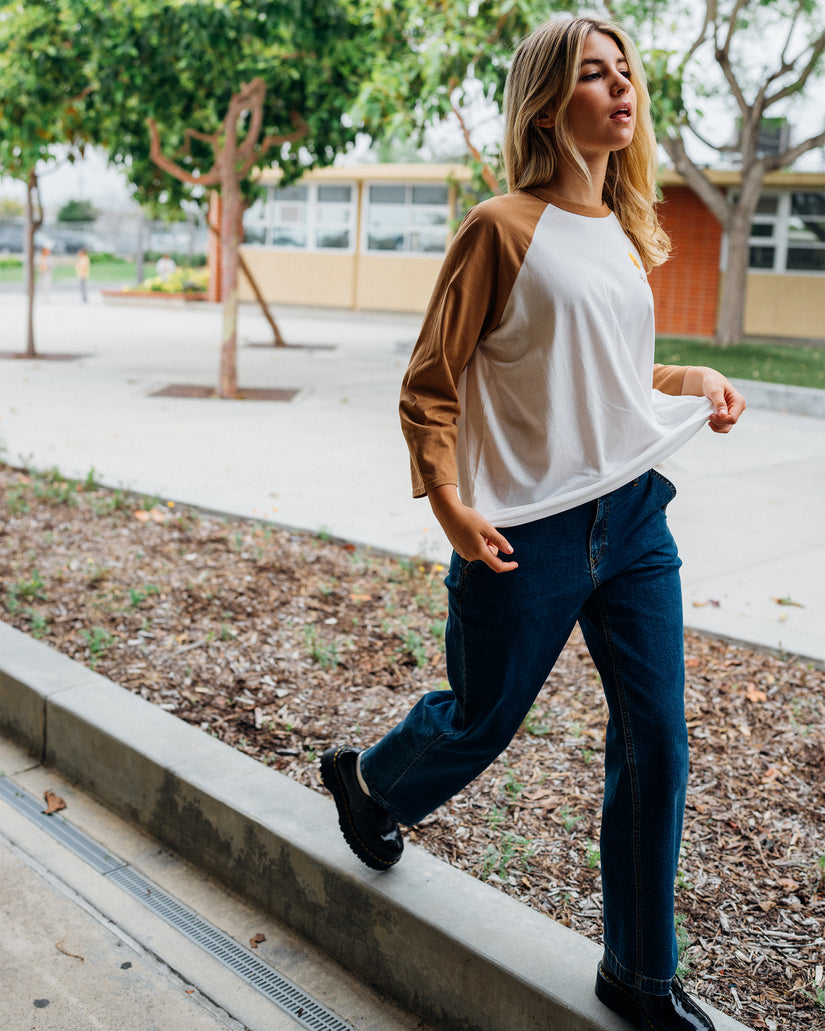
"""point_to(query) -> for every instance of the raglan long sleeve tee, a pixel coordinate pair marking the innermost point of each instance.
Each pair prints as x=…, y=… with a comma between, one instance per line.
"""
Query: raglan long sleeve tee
x=532, y=384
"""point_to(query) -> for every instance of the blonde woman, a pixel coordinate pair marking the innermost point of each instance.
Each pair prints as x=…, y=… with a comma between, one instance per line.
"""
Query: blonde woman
x=535, y=416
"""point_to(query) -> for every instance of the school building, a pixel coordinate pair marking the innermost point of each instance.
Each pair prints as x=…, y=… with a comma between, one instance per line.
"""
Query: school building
x=372, y=237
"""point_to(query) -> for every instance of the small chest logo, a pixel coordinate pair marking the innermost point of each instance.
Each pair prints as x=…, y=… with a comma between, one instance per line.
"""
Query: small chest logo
x=635, y=261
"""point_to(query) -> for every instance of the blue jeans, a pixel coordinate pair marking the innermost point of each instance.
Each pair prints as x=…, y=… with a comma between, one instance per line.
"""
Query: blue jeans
x=611, y=565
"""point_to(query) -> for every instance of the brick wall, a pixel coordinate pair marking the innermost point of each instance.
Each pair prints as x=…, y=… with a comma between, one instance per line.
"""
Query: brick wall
x=686, y=288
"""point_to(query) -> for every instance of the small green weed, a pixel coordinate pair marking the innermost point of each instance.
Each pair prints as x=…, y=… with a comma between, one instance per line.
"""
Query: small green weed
x=138, y=596
x=532, y=724
x=31, y=590
x=16, y=500
x=326, y=655
x=98, y=640
x=513, y=851
x=593, y=855
x=568, y=820
x=38, y=624
x=513, y=787
x=495, y=818
x=683, y=942
x=54, y=488
x=412, y=645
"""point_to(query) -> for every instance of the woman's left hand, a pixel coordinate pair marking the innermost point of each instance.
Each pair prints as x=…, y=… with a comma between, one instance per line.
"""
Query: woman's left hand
x=728, y=403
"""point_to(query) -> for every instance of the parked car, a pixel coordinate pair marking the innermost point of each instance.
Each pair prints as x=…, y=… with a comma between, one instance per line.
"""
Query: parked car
x=13, y=240
x=73, y=240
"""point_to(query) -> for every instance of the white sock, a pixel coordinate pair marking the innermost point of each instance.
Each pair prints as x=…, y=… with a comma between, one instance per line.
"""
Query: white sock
x=361, y=782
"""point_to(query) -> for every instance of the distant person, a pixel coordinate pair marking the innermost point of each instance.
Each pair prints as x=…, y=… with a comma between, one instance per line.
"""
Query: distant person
x=45, y=269
x=165, y=267
x=82, y=267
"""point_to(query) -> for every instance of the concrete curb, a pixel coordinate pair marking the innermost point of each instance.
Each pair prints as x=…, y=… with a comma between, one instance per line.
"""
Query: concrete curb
x=779, y=397
x=456, y=951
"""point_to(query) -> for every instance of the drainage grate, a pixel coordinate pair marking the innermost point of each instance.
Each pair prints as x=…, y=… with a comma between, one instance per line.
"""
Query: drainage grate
x=59, y=828
x=278, y=989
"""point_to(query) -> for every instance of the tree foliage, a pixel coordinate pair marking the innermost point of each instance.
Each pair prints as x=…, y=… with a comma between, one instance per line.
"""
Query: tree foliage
x=437, y=59
x=44, y=103
x=201, y=93
x=755, y=56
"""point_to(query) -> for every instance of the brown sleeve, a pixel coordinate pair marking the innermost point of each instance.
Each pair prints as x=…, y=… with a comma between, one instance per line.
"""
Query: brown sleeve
x=467, y=303
x=669, y=378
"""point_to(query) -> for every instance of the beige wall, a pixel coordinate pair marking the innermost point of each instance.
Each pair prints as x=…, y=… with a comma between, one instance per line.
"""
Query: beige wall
x=369, y=282
x=394, y=282
x=785, y=306
x=294, y=277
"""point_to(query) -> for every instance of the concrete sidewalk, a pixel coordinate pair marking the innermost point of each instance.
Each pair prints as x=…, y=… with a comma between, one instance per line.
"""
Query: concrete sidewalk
x=748, y=517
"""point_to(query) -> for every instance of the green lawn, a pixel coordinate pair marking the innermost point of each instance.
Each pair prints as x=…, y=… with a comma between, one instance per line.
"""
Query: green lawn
x=101, y=271
x=768, y=363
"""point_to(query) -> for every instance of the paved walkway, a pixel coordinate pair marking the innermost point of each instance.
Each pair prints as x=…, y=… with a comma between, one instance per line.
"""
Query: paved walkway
x=748, y=517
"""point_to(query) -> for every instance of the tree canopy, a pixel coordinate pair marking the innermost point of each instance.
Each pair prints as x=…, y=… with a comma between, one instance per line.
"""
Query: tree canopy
x=197, y=94
x=44, y=103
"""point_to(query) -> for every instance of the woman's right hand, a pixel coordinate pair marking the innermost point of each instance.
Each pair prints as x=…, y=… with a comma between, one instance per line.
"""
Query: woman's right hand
x=471, y=536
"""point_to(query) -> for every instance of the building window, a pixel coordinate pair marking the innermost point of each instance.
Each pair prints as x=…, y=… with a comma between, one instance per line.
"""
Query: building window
x=788, y=233
x=806, y=233
x=407, y=219
x=311, y=217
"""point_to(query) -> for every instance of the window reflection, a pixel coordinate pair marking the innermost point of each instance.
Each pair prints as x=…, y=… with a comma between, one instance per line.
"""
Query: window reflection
x=407, y=219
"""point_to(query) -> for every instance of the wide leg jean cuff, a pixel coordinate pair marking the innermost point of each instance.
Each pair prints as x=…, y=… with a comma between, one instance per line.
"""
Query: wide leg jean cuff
x=648, y=985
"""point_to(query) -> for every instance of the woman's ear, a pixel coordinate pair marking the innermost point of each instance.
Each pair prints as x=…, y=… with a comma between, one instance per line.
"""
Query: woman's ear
x=546, y=121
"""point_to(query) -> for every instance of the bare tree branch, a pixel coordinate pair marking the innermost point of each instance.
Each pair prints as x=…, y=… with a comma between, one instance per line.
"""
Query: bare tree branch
x=792, y=25
x=711, y=195
x=776, y=161
x=211, y=178
x=486, y=171
x=722, y=55
x=710, y=17
x=817, y=49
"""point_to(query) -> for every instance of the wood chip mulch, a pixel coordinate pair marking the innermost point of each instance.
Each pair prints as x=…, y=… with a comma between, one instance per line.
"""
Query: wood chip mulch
x=281, y=644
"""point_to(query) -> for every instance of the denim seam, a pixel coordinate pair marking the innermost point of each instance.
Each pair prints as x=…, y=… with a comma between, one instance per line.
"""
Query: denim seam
x=634, y=784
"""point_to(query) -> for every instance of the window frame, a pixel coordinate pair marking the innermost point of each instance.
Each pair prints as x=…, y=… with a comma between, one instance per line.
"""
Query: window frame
x=409, y=227
x=780, y=239
x=312, y=223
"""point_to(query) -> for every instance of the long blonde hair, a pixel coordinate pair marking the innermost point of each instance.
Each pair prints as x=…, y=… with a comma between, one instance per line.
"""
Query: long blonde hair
x=544, y=73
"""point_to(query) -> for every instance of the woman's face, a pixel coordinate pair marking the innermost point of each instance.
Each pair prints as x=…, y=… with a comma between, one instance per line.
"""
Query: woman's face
x=601, y=114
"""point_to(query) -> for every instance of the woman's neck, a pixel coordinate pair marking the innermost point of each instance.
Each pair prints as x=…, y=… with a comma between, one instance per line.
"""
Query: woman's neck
x=568, y=183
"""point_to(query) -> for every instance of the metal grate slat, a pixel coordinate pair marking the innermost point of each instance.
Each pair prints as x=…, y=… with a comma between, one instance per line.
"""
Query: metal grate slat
x=254, y=971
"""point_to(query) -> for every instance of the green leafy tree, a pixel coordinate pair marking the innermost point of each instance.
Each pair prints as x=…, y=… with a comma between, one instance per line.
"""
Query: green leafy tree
x=437, y=59
x=201, y=93
x=764, y=53
x=43, y=105
x=760, y=56
x=77, y=211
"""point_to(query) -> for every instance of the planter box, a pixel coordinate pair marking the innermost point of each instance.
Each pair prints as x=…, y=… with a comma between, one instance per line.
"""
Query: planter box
x=151, y=296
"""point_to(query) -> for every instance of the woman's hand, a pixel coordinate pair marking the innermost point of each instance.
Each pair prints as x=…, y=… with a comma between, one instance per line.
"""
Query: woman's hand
x=728, y=403
x=469, y=533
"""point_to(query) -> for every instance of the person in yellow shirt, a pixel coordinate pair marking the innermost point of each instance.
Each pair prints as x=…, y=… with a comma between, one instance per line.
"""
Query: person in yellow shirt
x=81, y=267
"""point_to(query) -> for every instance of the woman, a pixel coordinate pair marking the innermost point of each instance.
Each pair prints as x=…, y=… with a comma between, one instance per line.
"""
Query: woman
x=534, y=417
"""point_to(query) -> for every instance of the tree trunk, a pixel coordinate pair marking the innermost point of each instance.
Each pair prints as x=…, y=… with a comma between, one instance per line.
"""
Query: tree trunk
x=231, y=212
x=33, y=222
x=730, y=321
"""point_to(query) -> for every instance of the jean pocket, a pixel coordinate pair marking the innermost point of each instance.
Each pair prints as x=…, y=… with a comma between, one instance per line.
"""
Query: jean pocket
x=671, y=489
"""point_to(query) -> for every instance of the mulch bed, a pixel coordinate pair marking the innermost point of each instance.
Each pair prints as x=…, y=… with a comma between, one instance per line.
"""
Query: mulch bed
x=281, y=644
